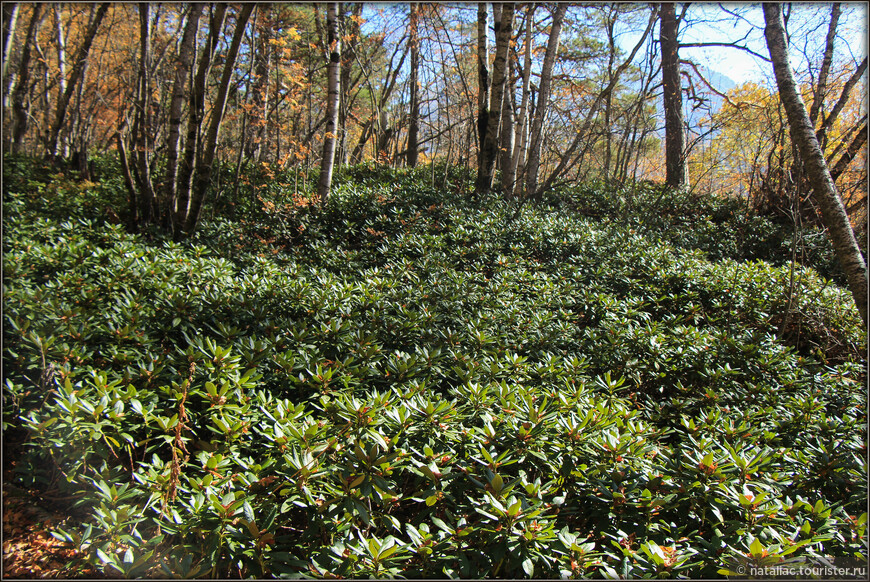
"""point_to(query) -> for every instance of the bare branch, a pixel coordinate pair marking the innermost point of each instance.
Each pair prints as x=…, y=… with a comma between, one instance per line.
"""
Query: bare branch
x=725, y=44
x=709, y=86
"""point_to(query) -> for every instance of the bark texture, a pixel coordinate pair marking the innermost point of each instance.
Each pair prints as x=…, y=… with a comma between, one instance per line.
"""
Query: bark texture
x=209, y=151
x=332, y=97
x=514, y=173
x=414, y=82
x=675, y=139
x=483, y=87
x=824, y=191
x=78, y=69
x=20, y=109
x=536, y=138
x=182, y=72
x=489, y=147
x=192, y=144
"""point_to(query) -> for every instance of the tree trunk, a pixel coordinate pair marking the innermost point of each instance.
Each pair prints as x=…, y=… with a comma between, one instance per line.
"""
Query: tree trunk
x=78, y=68
x=61, y=65
x=181, y=207
x=854, y=147
x=824, y=192
x=515, y=172
x=20, y=110
x=414, y=118
x=255, y=132
x=182, y=72
x=209, y=150
x=346, y=82
x=506, y=133
x=608, y=99
x=503, y=32
x=10, y=22
x=327, y=162
x=536, y=138
x=827, y=59
x=142, y=139
x=675, y=139
x=483, y=88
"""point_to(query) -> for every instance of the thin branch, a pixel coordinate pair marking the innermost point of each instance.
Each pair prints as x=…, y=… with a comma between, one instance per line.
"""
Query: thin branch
x=725, y=44
x=738, y=106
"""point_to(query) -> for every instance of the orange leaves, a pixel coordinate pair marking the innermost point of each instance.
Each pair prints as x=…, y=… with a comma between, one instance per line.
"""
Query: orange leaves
x=29, y=550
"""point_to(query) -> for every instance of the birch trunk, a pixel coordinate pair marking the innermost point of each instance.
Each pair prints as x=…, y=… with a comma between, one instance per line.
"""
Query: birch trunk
x=182, y=72
x=489, y=149
x=78, y=69
x=536, y=138
x=824, y=191
x=209, y=150
x=508, y=106
x=327, y=162
x=61, y=63
x=515, y=172
x=142, y=124
x=182, y=203
x=10, y=21
x=483, y=87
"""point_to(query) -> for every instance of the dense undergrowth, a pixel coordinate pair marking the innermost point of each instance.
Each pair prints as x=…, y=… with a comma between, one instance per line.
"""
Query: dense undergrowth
x=411, y=383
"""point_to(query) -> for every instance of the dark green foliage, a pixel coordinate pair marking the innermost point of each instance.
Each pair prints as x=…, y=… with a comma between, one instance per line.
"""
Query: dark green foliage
x=722, y=228
x=406, y=383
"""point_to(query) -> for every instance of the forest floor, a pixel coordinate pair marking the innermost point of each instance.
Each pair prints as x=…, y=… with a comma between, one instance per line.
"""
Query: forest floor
x=29, y=550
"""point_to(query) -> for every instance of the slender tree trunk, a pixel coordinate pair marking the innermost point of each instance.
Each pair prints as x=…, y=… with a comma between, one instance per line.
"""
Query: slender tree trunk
x=192, y=146
x=10, y=21
x=182, y=72
x=61, y=65
x=483, y=88
x=506, y=134
x=142, y=125
x=675, y=139
x=536, y=139
x=515, y=173
x=255, y=132
x=209, y=150
x=77, y=71
x=608, y=99
x=20, y=110
x=824, y=70
x=830, y=118
x=348, y=55
x=854, y=147
x=327, y=162
x=503, y=31
x=414, y=118
x=824, y=191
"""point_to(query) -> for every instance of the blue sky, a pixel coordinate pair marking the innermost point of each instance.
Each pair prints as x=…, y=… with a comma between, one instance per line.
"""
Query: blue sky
x=708, y=22
x=808, y=27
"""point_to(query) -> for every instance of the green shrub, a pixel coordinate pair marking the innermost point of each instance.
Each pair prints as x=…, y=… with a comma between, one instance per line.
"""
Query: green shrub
x=406, y=383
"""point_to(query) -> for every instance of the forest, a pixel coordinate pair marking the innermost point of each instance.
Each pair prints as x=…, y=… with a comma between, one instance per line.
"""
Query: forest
x=434, y=290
